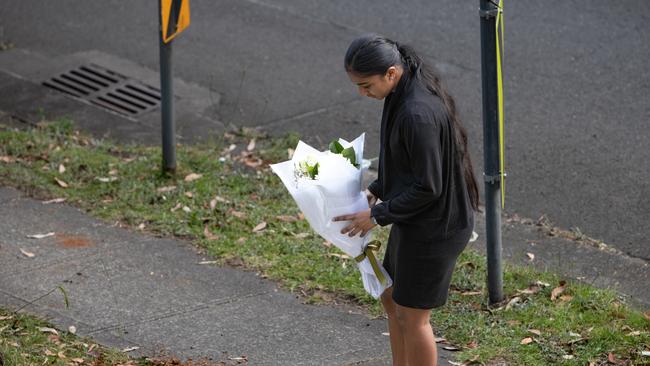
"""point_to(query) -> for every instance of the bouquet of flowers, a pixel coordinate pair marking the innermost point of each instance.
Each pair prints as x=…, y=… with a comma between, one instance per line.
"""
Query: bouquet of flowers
x=326, y=184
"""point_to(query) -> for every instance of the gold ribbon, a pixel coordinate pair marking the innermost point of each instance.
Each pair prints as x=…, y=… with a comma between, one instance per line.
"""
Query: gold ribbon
x=368, y=252
x=502, y=159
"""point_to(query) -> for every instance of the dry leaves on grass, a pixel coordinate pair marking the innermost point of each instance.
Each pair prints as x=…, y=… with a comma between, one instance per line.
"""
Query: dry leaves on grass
x=61, y=168
x=7, y=159
x=531, y=256
x=192, y=177
x=527, y=340
x=251, y=145
x=165, y=189
x=287, y=218
x=259, y=227
x=558, y=290
x=61, y=183
x=208, y=234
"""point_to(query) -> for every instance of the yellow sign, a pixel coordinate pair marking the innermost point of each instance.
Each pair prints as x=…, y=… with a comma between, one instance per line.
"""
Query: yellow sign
x=175, y=17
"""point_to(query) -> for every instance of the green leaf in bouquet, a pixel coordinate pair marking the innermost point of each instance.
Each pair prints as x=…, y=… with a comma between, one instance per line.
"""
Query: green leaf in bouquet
x=336, y=147
x=350, y=155
x=312, y=170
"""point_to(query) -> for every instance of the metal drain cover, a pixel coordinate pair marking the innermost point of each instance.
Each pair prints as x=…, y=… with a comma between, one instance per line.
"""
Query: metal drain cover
x=107, y=89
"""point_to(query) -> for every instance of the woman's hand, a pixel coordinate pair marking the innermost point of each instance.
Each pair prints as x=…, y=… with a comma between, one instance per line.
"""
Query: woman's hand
x=360, y=223
x=372, y=199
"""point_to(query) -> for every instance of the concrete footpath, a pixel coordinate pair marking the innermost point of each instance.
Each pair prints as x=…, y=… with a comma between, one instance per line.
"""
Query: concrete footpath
x=128, y=289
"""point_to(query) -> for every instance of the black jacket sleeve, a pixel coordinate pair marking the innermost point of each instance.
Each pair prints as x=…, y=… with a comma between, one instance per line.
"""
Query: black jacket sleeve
x=375, y=188
x=420, y=134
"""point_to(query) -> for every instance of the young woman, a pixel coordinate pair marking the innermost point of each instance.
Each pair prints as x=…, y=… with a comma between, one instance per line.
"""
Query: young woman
x=426, y=186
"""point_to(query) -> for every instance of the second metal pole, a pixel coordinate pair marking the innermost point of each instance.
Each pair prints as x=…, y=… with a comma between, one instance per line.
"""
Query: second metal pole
x=167, y=106
x=491, y=150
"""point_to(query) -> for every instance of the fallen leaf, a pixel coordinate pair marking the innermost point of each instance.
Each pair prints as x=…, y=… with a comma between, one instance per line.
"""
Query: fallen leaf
x=471, y=345
x=301, y=235
x=48, y=330
x=213, y=204
x=112, y=172
x=535, y=332
x=40, y=236
x=542, y=284
x=251, y=145
x=531, y=256
x=566, y=298
x=7, y=159
x=327, y=243
x=287, y=218
x=208, y=234
x=301, y=216
x=166, y=189
x=634, y=334
x=209, y=262
x=178, y=205
x=72, y=329
x=55, y=200
x=513, y=302
x=451, y=348
x=27, y=254
x=61, y=355
x=526, y=340
x=611, y=358
x=141, y=226
x=221, y=199
x=237, y=214
x=187, y=209
x=231, y=147
x=471, y=293
x=192, y=177
x=253, y=162
x=261, y=226
x=557, y=291
x=106, y=179
x=189, y=194
x=61, y=183
x=129, y=349
x=531, y=290
x=49, y=353
x=572, y=334
x=6, y=317
x=61, y=168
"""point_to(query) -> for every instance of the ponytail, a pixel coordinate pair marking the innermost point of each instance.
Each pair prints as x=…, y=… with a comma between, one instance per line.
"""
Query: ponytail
x=373, y=54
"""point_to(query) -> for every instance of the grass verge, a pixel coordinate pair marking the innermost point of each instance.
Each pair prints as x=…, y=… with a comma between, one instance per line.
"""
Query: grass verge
x=225, y=199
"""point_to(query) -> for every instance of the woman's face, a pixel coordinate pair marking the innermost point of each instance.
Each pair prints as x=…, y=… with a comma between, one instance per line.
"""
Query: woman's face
x=376, y=86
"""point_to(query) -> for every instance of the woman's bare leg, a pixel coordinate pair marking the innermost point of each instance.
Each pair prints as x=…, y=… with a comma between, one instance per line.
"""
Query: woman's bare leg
x=419, y=343
x=397, y=345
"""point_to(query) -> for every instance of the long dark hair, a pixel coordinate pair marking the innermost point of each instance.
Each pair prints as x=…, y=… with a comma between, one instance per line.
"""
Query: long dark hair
x=373, y=54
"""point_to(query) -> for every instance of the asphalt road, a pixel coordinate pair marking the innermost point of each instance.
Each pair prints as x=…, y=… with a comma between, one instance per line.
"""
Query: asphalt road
x=577, y=83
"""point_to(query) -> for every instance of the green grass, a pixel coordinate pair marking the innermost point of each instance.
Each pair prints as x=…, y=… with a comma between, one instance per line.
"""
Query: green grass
x=219, y=211
x=26, y=340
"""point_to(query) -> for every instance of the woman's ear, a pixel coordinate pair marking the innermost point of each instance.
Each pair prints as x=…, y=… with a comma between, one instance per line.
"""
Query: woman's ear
x=391, y=73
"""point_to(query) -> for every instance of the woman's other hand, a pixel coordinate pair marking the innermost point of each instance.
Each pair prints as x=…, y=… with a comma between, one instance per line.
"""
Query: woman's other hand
x=360, y=223
x=372, y=199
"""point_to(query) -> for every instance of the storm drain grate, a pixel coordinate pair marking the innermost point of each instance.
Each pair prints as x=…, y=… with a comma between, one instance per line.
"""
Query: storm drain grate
x=107, y=89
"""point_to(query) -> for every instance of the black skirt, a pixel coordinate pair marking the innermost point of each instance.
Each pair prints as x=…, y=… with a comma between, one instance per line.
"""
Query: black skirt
x=421, y=266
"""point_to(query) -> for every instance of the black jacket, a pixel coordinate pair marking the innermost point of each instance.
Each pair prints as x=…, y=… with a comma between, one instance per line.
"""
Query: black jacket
x=420, y=178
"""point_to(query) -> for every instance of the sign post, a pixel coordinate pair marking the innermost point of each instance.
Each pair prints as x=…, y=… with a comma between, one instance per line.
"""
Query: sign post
x=492, y=142
x=174, y=16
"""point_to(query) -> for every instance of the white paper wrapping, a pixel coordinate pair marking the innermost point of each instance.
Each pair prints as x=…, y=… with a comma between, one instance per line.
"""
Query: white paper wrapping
x=335, y=191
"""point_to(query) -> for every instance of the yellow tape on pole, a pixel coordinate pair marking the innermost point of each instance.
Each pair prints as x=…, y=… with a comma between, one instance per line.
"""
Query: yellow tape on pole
x=502, y=159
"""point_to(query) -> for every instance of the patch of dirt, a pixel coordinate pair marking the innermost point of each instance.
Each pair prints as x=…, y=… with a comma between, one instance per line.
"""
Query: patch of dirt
x=74, y=241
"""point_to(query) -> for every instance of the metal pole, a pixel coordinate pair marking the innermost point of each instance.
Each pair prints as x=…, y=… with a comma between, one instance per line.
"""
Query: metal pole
x=167, y=106
x=491, y=175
